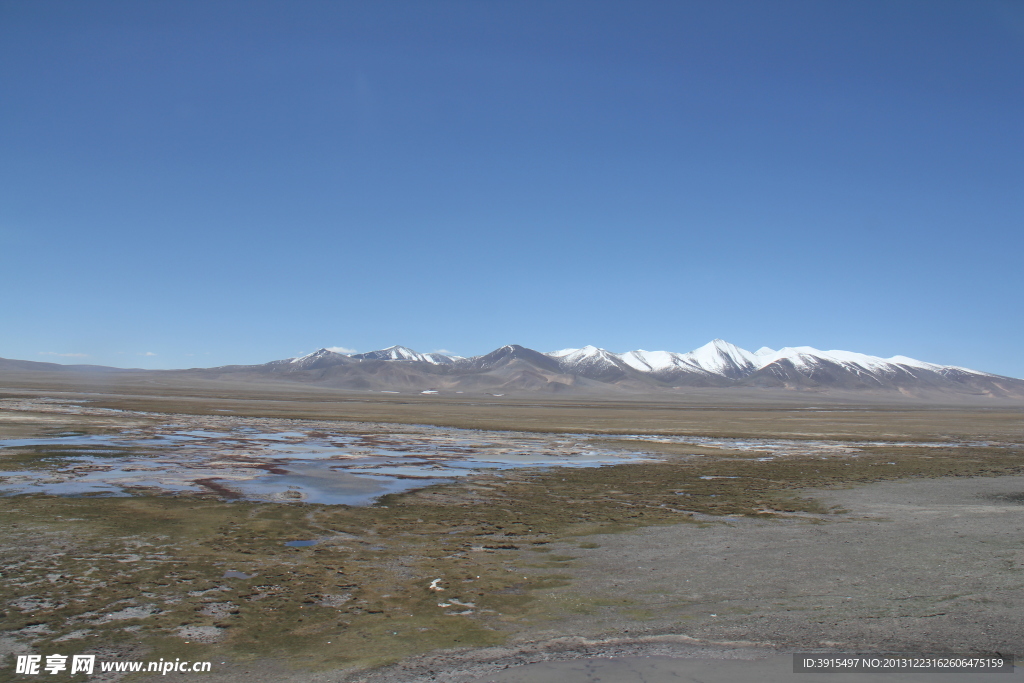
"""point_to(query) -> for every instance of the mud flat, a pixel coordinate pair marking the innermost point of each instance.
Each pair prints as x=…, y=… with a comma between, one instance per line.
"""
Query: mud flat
x=897, y=531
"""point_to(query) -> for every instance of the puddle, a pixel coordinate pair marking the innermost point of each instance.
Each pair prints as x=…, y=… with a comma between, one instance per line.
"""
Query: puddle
x=67, y=440
x=290, y=460
x=326, y=486
x=202, y=433
x=232, y=574
x=15, y=483
x=284, y=460
x=300, y=544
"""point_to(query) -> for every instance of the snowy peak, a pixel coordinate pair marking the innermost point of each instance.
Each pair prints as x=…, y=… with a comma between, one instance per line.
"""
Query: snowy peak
x=720, y=363
x=808, y=357
x=586, y=355
x=653, y=361
x=592, y=362
x=402, y=353
x=715, y=364
x=319, y=353
x=321, y=358
x=315, y=356
x=390, y=353
x=719, y=357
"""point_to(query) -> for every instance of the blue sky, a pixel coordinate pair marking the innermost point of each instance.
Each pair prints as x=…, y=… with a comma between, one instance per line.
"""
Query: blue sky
x=201, y=183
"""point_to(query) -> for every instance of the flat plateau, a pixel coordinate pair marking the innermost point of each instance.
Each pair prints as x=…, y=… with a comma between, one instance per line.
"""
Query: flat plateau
x=912, y=542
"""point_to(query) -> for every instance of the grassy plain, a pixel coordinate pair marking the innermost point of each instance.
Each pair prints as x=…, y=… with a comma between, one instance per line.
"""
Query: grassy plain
x=144, y=577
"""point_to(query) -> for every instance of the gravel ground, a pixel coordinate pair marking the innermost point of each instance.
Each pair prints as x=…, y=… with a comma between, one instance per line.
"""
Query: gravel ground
x=926, y=565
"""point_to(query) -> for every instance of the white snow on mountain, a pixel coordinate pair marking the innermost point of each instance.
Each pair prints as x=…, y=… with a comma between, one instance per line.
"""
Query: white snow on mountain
x=402, y=353
x=588, y=355
x=903, y=360
x=399, y=353
x=717, y=357
x=652, y=361
x=319, y=353
x=805, y=357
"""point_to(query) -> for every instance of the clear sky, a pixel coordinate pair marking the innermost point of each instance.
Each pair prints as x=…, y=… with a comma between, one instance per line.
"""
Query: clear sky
x=202, y=183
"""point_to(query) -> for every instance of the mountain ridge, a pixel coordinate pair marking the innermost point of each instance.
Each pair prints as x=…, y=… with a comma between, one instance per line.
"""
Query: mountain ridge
x=716, y=364
x=593, y=370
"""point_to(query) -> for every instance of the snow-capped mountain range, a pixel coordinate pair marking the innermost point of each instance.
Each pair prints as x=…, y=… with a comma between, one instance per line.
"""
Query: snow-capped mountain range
x=719, y=357
x=716, y=364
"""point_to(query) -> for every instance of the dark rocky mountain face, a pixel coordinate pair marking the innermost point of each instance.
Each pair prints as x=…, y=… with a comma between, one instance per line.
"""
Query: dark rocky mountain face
x=513, y=352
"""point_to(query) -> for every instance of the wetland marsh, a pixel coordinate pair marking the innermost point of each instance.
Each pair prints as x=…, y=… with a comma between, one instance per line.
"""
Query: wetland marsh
x=508, y=559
